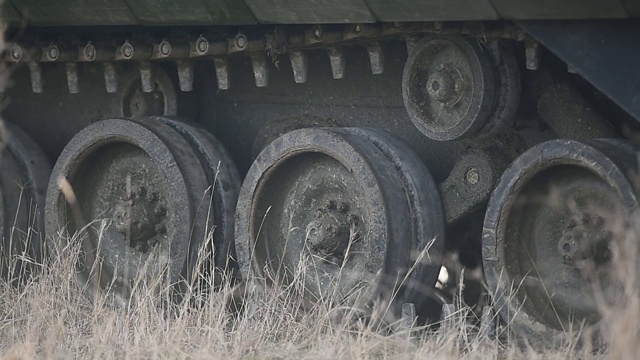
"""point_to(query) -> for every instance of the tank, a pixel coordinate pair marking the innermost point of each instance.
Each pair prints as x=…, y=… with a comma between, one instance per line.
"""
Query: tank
x=350, y=145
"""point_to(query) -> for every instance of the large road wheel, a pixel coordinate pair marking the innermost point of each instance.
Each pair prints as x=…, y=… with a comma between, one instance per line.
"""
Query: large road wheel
x=328, y=207
x=24, y=175
x=427, y=217
x=553, y=224
x=136, y=195
x=224, y=180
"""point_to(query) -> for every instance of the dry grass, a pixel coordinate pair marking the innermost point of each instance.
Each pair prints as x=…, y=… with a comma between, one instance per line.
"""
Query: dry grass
x=52, y=316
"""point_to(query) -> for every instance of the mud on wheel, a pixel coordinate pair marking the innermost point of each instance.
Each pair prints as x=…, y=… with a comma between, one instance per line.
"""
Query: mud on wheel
x=137, y=196
x=552, y=228
x=329, y=207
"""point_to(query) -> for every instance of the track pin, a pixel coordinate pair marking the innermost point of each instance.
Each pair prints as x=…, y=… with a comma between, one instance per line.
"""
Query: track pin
x=133, y=51
x=51, y=53
x=88, y=52
x=185, y=75
x=99, y=52
x=110, y=78
x=222, y=73
x=164, y=49
x=337, y=62
x=126, y=51
x=170, y=50
x=200, y=46
x=260, y=69
x=146, y=77
x=299, y=65
x=376, y=57
x=15, y=53
x=72, y=77
x=36, y=77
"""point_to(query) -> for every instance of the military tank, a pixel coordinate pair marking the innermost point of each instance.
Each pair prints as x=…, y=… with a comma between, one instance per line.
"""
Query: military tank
x=346, y=144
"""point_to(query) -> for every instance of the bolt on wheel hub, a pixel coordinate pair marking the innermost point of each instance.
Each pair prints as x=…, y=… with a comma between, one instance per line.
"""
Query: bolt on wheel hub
x=140, y=216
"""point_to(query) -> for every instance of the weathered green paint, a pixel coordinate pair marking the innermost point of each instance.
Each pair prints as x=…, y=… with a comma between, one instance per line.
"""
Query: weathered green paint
x=191, y=12
x=170, y=12
x=432, y=10
x=555, y=9
x=229, y=11
x=9, y=15
x=310, y=11
x=245, y=12
x=632, y=7
x=75, y=12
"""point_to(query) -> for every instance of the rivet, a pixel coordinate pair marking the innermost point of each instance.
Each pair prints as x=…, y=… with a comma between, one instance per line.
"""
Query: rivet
x=202, y=45
x=89, y=52
x=165, y=48
x=241, y=41
x=126, y=50
x=53, y=52
x=16, y=53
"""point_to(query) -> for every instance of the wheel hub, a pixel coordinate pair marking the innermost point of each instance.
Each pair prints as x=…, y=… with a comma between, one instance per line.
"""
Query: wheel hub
x=585, y=238
x=330, y=232
x=140, y=216
x=446, y=85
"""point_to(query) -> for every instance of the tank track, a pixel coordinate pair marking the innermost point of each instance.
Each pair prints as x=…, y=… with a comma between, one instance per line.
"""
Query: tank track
x=184, y=47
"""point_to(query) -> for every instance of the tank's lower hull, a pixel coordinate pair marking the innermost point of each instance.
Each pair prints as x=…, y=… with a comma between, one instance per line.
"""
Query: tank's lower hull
x=317, y=88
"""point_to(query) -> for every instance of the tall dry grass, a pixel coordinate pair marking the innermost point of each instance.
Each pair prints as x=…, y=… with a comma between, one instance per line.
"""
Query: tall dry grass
x=54, y=316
